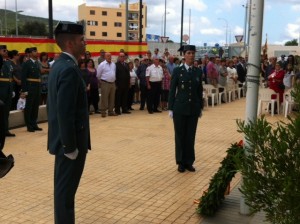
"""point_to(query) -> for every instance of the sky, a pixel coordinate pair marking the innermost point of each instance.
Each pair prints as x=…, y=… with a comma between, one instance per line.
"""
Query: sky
x=205, y=21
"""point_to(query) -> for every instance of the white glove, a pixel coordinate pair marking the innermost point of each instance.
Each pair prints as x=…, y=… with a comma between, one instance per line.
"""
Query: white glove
x=13, y=94
x=72, y=155
x=171, y=114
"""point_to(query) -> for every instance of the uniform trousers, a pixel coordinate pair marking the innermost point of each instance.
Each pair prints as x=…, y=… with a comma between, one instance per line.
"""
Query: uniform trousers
x=185, y=127
x=67, y=174
x=6, y=98
x=153, y=96
x=2, y=125
x=108, y=91
x=31, y=110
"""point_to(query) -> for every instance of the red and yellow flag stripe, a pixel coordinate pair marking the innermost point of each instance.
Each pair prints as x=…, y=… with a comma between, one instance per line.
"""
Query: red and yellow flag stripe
x=93, y=46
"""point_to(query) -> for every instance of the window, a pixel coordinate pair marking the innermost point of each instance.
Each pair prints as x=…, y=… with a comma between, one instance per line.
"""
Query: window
x=119, y=14
x=119, y=34
x=104, y=34
x=104, y=13
x=104, y=23
x=92, y=12
x=92, y=23
x=92, y=33
x=117, y=24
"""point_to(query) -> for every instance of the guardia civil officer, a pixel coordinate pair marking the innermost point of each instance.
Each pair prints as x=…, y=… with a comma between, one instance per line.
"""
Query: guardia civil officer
x=31, y=87
x=68, y=120
x=185, y=107
x=6, y=86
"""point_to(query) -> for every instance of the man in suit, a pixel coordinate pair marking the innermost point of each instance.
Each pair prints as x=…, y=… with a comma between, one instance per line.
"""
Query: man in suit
x=68, y=120
x=185, y=107
x=6, y=86
x=122, y=85
x=241, y=70
x=31, y=87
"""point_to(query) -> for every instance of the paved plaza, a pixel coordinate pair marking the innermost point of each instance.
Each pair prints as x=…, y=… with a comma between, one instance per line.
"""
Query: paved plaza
x=130, y=174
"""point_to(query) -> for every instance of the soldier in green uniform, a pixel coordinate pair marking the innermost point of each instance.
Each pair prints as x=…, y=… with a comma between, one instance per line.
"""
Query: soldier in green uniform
x=6, y=86
x=31, y=86
x=185, y=107
x=68, y=120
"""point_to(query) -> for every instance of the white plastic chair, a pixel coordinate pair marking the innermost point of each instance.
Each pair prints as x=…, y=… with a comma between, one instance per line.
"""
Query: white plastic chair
x=288, y=102
x=231, y=90
x=222, y=94
x=265, y=96
x=240, y=89
x=205, y=98
x=211, y=92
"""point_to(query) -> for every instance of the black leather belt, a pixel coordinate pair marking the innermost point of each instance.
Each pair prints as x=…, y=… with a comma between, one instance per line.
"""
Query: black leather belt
x=106, y=81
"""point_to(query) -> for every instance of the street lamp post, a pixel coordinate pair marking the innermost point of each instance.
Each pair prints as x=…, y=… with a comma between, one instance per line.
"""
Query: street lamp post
x=226, y=27
x=17, y=12
x=163, y=24
x=1, y=27
x=5, y=19
x=165, y=18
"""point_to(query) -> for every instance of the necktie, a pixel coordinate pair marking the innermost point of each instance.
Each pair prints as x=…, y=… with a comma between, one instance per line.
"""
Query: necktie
x=190, y=69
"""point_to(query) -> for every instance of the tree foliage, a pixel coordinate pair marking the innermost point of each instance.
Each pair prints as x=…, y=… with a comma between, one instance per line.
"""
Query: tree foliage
x=271, y=167
x=293, y=42
x=33, y=28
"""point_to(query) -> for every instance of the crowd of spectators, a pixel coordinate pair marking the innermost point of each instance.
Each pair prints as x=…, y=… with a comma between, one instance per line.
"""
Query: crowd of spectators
x=114, y=86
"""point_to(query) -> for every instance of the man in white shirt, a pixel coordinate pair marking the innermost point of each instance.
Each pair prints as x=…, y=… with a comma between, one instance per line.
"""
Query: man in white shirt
x=106, y=73
x=154, y=75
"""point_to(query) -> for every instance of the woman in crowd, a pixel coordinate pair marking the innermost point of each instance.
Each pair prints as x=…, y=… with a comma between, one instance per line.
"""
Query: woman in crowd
x=17, y=72
x=137, y=84
x=93, y=96
x=45, y=69
x=166, y=80
x=288, y=78
x=276, y=81
x=133, y=82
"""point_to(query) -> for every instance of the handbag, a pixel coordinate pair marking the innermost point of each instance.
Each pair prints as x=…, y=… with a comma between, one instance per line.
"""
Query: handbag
x=6, y=163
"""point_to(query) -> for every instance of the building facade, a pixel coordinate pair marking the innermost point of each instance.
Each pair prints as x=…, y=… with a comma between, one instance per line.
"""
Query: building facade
x=111, y=23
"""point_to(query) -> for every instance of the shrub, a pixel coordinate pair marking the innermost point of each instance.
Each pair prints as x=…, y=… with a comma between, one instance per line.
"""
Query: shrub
x=271, y=167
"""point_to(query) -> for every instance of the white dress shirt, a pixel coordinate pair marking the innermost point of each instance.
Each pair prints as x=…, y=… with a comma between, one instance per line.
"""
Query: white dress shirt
x=155, y=73
x=106, y=71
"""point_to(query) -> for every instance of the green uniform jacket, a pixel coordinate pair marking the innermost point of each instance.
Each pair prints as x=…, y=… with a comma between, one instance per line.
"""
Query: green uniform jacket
x=6, y=89
x=68, y=118
x=186, y=90
x=30, y=70
x=5, y=86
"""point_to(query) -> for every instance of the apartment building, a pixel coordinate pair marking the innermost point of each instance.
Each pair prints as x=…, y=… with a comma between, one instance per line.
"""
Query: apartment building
x=110, y=23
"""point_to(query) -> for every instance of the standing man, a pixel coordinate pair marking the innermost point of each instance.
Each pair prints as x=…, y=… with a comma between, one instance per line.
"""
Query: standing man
x=122, y=85
x=106, y=73
x=31, y=87
x=154, y=75
x=141, y=74
x=6, y=86
x=68, y=120
x=212, y=72
x=3, y=54
x=101, y=57
x=185, y=107
x=171, y=65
